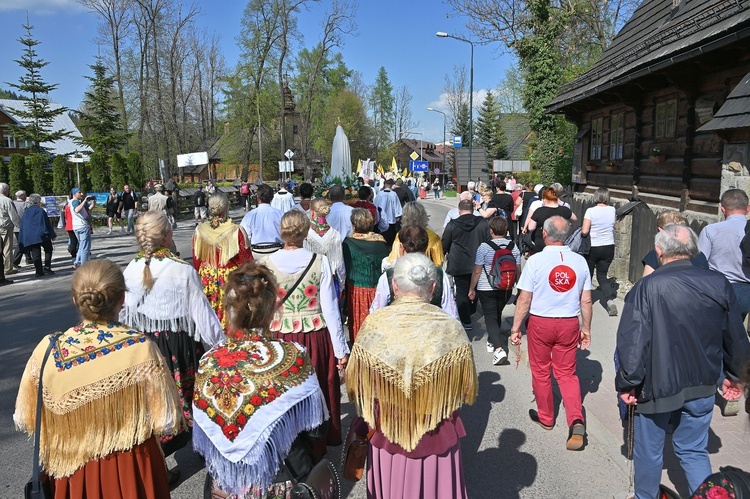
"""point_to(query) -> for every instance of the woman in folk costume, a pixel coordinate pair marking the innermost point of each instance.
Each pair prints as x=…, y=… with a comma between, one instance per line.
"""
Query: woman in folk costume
x=101, y=374
x=364, y=252
x=255, y=397
x=165, y=300
x=415, y=214
x=325, y=240
x=309, y=311
x=408, y=382
x=219, y=247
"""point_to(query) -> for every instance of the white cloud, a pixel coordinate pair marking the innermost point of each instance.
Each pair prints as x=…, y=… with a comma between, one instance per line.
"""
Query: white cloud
x=41, y=7
x=442, y=103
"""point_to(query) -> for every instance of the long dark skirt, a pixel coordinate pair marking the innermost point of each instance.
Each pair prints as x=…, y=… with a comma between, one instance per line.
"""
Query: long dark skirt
x=182, y=354
x=319, y=347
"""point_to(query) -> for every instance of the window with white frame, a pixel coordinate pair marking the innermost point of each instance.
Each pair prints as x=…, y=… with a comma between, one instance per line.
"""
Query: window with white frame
x=597, y=127
x=9, y=141
x=665, y=121
x=616, y=136
x=24, y=144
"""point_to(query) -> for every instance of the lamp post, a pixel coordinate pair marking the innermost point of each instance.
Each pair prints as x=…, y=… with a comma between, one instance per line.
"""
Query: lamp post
x=444, y=118
x=442, y=34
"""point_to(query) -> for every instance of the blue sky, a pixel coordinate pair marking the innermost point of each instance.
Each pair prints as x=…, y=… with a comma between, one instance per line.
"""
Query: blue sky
x=399, y=35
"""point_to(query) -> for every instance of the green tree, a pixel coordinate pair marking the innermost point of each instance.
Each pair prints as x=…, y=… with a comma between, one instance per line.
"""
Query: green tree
x=461, y=122
x=3, y=171
x=136, y=175
x=99, y=174
x=489, y=131
x=381, y=107
x=344, y=108
x=100, y=122
x=118, y=170
x=17, y=178
x=61, y=183
x=35, y=163
x=38, y=115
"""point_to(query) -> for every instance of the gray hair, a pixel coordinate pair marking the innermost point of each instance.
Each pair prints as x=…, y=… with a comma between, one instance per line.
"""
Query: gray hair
x=557, y=228
x=559, y=189
x=20, y=194
x=677, y=241
x=414, y=273
x=414, y=214
x=4, y=188
x=218, y=203
x=34, y=199
x=734, y=200
x=601, y=195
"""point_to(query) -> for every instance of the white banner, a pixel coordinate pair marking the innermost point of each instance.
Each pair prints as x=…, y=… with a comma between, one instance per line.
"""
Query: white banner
x=286, y=166
x=192, y=159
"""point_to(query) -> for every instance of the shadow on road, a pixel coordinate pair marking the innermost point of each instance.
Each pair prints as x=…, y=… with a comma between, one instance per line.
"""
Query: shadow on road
x=589, y=373
x=518, y=469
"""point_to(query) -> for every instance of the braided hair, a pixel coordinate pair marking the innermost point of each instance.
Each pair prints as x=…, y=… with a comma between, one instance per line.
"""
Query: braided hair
x=150, y=230
x=250, y=299
x=98, y=288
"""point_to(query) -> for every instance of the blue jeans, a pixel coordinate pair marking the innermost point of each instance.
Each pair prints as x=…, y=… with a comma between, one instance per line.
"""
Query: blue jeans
x=84, y=245
x=689, y=440
x=742, y=291
x=129, y=214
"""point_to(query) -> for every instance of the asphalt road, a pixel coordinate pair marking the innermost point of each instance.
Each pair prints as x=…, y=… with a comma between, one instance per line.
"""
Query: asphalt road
x=504, y=454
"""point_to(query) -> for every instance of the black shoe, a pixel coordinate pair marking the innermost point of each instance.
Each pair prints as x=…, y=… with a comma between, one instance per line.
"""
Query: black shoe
x=39, y=276
x=49, y=271
x=173, y=477
x=5, y=282
x=534, y=416
x=575, y=435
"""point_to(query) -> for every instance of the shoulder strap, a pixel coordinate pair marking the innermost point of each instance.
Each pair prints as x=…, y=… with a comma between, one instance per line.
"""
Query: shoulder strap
x=299, y=280
x=38, y=424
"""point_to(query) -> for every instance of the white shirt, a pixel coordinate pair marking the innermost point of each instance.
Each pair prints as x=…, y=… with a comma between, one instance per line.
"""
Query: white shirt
x=157, y=202
x=390, y=206
x=383, y=294
x=283, y=201
x=340, y=218
x=293, y=261
x=556, y=276
x=602, y=232
x=79, y=217
x=262, y=224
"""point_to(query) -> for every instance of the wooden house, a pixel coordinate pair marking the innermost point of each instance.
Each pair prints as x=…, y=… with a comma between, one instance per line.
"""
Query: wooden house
x=654, y=116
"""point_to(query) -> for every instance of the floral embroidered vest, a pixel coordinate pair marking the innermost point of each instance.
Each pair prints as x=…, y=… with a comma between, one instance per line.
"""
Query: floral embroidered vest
x=301, y=311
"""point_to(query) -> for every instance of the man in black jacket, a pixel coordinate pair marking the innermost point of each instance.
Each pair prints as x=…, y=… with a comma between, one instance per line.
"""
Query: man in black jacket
x=680, y=329
x=461, y=238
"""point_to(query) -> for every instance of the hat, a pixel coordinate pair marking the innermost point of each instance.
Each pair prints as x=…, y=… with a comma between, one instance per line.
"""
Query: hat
x=74, y=191
x=470, y=185
x=399, y=181
x=389, y=181
x=538, y=187
x=159, y=187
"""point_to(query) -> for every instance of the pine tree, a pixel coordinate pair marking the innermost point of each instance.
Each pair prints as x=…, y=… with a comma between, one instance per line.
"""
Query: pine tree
x=136, y=176
x=100, y=121
x=489, y=130
x=118, y=170
x=35, y=164
x=3, y=171
x=17, y=174
x=36, y=119
x=99, y=175
x=381, y=103
x=460, y=125
x=61, y=183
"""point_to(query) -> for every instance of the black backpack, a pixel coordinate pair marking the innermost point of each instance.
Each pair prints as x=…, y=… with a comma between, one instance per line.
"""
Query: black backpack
x=745, y=246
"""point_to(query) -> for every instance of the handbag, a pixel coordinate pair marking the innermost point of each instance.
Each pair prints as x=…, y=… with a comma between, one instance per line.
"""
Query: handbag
x=354, y=456
x=39, y=487
x=322, y=482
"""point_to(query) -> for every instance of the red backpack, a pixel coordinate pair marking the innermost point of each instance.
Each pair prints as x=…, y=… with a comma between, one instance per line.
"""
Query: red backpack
x=502, y=275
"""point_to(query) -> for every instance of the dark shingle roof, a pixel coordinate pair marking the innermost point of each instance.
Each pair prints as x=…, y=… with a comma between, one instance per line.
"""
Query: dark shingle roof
x=735, y=113
x=516, y=128
x=656, y=37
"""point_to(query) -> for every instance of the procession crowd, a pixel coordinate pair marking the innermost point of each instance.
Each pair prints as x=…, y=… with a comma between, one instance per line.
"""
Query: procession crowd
x=243, y=352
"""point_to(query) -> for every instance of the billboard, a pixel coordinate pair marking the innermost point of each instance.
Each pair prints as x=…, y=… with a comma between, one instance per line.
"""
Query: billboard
x=192, y=159
x=478, y=163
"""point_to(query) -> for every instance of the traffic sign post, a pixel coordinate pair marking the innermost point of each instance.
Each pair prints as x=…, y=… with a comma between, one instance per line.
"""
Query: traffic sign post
x=419, y=166
x=458, y=141
x=414, y=155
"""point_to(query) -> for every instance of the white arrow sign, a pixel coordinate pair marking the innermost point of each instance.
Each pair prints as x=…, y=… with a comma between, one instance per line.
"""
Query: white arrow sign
x=288, y=154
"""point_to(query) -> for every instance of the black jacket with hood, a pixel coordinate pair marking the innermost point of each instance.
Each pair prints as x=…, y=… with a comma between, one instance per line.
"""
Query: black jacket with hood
x=461, y=238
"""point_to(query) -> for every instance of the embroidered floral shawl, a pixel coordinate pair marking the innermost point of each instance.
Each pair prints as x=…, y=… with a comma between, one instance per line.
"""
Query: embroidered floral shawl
x=252, y=397
x=98, y=375
x=417, y=362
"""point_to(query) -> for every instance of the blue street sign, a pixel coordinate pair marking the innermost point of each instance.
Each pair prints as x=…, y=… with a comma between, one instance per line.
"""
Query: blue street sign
x=458, y=141
x=419, y=166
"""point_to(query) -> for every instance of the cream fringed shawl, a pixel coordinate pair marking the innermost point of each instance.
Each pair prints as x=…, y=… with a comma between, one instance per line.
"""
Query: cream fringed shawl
x=106, y=389
x=207, y=240
x=416, y=361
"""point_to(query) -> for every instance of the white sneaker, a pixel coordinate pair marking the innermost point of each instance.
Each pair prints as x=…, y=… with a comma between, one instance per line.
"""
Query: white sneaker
x=499, y=357
x=490, y=347
x=110, y=232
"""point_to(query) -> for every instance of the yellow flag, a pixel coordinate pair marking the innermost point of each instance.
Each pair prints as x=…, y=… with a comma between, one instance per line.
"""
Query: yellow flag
x=359, y=166
x=380, y=169
x=394, y=166
x=404, y=173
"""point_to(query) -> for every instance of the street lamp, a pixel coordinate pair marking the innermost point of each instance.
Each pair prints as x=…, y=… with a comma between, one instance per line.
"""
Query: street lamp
x=442, y=34
x=444, y=118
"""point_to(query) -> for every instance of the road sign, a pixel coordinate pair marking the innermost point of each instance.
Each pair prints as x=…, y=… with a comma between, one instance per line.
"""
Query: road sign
x=289, y=153
x=458, y=141
x=286, y=166
x=414, y=155
x=419, y=166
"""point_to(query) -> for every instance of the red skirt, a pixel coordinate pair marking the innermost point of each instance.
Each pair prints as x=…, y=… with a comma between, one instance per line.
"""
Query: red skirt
x=139, y=473
x=320, y=349
x=358, y=302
